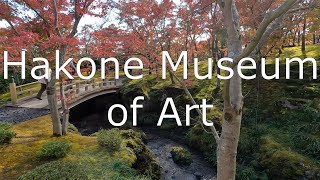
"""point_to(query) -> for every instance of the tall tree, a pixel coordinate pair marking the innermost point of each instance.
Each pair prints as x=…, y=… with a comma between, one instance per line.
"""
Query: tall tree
x=57, y=22
x=304, y=32
x=152, y=25
x=233, y=99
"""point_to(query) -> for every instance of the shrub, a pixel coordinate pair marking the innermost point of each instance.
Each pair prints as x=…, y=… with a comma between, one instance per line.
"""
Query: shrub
x=307, y=144
x=6, y=136
x=110, y=139
x=5, y=125
x=250, y=140
x=54, y=150
x=246, y=173
x=56, y=170
x=199, y=139
x=145, y=161
x=4, y=84
x=181, y=156
x=283, y=163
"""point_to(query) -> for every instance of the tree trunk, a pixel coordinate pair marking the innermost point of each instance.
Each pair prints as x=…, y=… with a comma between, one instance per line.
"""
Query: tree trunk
x=314, y=38
x=53, y=105
x=218, y=80
x=65, y=110
x=227, y=149
x=232, y=95
x=303, y=48
x=231, y=123
x=233, y=100
x=215, y=54
x=58, y=128
x=294, y=39
x=280, y=51
x=299, y=37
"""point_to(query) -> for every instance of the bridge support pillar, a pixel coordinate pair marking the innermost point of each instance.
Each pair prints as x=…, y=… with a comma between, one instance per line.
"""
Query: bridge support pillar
x=13, y=93
x=77, y=87
x=93, y=83
x=104, y=82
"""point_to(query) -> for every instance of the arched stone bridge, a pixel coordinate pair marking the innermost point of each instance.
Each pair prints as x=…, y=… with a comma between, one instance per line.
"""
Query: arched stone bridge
x=75, y=92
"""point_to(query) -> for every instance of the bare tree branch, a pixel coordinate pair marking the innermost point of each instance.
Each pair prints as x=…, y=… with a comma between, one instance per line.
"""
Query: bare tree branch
x=56, y=18
x=274, y=25
x=269, y=18
x=37, y=12
x=77, y=17
x=303, y=8
x=212, y=128
x=12, y=27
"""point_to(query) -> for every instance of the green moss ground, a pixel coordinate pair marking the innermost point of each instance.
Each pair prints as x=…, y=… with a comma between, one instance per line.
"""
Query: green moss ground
x=22, y=155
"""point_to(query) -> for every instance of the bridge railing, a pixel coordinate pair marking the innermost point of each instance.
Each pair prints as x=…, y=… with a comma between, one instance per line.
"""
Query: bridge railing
x=22, y=92
x=80, y=88
x=70, y=90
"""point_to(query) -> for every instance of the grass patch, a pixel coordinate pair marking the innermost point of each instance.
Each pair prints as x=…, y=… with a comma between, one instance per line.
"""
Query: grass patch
x=21, y=156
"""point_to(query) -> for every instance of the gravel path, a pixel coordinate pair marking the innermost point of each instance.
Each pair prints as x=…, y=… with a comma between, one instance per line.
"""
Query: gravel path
x=16, y=115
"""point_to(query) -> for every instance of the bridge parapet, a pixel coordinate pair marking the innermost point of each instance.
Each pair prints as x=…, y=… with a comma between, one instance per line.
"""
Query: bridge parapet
x=22, y=92
x=71, y=91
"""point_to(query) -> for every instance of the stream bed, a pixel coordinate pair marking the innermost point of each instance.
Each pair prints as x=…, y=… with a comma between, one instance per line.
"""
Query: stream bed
x=160, y=146
x=89, y=120
x=199, y=168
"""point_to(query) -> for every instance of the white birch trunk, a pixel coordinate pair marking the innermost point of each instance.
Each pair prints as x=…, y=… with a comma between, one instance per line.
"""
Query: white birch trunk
x=233, y=100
